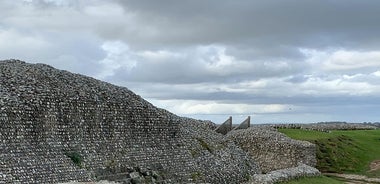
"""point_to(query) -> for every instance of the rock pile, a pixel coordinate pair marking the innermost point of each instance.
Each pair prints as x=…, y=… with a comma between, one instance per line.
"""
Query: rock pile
x=58, y=126
x=285, y=174
x=326, y=127
x=273, y=150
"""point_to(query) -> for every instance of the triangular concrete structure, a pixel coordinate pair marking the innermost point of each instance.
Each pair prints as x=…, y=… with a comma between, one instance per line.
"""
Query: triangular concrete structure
x=225, y=127
x=245, y=124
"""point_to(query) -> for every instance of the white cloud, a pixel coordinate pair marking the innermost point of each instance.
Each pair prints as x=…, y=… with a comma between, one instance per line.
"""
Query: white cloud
x=343, y=60
x=192, y=107
x=160, y=55
x=336, y=87
x=377, y=73
x=215, y=60
x=118, y=56
x=348, y=60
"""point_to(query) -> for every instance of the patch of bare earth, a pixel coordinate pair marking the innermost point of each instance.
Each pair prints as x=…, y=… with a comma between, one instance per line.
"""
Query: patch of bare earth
x=359, y=179
x=354, y=178
x=374, y=166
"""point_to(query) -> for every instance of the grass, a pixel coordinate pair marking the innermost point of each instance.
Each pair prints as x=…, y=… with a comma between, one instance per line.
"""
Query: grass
x=195, y=176
x=204, y=145
x=343, y=151
x=374, y=173
x=315, y=180
x=76, y=158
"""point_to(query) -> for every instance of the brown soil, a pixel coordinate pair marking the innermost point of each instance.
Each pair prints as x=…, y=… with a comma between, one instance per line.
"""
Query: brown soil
x=355, y=179
x=374, y=166
x=359, y=179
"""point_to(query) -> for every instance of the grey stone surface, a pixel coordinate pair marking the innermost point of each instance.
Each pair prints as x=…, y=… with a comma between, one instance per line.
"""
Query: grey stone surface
x=273, y=150
x=285, y=175
x=326, y=127
x=57, y=126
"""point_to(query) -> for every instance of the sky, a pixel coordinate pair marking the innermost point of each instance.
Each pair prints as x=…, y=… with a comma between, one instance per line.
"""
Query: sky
x=285, y=61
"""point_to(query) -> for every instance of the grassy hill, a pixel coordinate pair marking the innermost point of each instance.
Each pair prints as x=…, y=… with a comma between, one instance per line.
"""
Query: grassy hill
x=341, y=151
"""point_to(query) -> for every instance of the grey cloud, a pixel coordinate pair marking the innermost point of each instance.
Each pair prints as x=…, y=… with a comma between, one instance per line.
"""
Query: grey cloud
x=56, y=3
x=187, y=72
x=263, y=28
x=203, y=91
x=262, y=39
x=302, y=108
x=76, y=53
x=291, y=23
x=366, y=78
x=49, y=32
x=297, y=79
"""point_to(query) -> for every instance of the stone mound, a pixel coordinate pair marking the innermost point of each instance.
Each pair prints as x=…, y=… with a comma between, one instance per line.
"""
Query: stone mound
x=57, y=126
x=284, y=175
x=273, y=150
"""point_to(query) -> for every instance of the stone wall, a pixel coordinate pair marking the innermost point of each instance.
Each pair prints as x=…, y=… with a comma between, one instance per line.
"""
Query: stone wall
x=325, y=127
x=284, y=175
x=56, y=126
x=273, y=150
x=337, y=126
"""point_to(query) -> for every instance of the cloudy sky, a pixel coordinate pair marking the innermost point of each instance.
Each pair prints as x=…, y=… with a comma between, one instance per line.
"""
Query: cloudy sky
x=277, y=61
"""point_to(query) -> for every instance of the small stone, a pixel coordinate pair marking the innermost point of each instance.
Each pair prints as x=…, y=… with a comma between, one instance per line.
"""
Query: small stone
x=137, y=180
x=127, y=181
x=134, y=175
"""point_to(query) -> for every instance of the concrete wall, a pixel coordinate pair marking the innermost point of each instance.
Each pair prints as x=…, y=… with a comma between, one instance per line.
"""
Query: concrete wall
x=273, y=150
x=225, y=127
x=46, y=115
x=245, y=124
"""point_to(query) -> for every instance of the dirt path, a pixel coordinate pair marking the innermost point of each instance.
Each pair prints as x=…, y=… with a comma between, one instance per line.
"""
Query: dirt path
x=374, y=166
x=354, y=178
x=359, y=179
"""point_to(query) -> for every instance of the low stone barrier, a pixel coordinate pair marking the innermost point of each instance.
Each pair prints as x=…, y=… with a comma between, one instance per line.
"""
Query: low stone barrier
x=273, y=150
x=285, y=175
x=324, y=127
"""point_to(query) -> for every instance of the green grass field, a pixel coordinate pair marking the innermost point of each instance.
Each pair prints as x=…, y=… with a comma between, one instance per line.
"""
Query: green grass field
x=341, y=151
